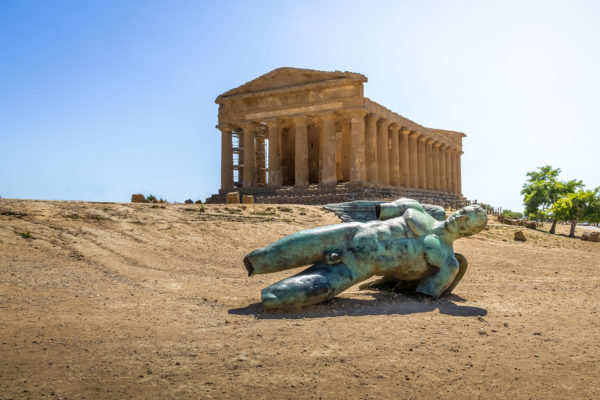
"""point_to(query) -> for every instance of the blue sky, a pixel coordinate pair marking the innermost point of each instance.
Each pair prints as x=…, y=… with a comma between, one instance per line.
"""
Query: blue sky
x=102, y=99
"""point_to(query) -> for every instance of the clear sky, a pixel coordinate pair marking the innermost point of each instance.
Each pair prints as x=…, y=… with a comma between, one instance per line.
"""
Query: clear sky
x=102, y=99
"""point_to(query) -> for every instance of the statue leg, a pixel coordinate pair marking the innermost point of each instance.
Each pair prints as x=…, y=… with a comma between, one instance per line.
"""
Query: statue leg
x=300, y=248
x=316, y=284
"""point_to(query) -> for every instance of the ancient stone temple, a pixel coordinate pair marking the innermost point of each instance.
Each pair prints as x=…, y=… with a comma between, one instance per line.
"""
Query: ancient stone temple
x=312, y=137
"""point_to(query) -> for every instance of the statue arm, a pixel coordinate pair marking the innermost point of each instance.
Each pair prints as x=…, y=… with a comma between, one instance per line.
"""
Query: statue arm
x=435, y=284
x=396, y=208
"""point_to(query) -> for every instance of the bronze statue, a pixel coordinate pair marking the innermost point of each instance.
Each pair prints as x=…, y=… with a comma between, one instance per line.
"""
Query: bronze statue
x=406, y=245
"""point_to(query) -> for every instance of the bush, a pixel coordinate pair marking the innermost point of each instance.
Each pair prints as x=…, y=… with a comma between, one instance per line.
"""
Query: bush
x=512, y=214
x=151, y=198
x=25, y=235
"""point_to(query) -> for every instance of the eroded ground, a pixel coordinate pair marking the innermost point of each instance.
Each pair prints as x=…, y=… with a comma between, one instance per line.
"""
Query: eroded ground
x=109, y=300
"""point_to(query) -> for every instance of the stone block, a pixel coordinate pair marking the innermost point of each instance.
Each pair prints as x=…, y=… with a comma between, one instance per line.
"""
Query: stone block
x=138, y=198
x=594, y=236
x=585, y=236
x=520, y=236
x=233, y=198
x=248, y=199
x=198, y=201
x=531, y=225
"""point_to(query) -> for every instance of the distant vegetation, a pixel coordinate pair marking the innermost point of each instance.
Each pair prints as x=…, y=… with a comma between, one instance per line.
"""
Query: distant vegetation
x=548, y=198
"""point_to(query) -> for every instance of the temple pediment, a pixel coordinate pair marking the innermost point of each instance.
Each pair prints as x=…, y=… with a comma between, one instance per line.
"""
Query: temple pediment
x=287, y=77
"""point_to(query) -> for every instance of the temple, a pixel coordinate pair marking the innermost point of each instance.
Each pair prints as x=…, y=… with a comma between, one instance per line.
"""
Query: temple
x=312, y=137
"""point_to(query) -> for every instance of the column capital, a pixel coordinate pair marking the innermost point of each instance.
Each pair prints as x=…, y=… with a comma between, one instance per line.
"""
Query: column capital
x=405, y=131
x=429, y=140
x=421, y=138
x=356, y=113
x=300, y=119
x=394, y=127
x=443, y=147
x=224, y=128
x=273, y=122
x=246, y=125
x=383, y=121
x=436, y=144
x=327, y=115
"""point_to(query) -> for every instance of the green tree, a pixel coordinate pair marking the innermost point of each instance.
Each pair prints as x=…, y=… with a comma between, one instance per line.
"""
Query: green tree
x=512, y=214
x=542, y=189
x=584, y=205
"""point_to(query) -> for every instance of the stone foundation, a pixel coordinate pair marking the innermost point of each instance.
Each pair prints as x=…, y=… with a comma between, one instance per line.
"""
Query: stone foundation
x=317, y=195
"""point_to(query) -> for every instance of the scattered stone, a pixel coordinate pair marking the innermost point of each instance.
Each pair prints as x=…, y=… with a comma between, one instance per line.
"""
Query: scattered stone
x=233, y=198
x=248, y=199
x=189, y=201
x=198, y=201
x=585, y=236
x=500, y=218
x=138, y=198
x=531, y=224
x=594, y=236
x=520, y=236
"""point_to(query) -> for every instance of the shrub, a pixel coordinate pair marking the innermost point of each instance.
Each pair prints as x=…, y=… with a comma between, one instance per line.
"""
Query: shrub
x=25, y=235
x=512, y=214
x=151, y=198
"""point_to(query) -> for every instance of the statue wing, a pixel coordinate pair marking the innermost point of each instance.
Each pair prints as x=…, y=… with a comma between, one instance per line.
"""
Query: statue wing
x=366, y=210
x=357, y=211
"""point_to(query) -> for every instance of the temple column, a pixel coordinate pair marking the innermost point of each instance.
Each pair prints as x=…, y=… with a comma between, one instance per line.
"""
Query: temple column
x=404, y=158
x=249, y=179
x=413, y=151
x=371, y=148
x=453, y=169
x=383, y=164
x=301, y=152
x=429, y=161
x=458, y=173
x=443, y=168
x=226, y=159
x=448, y=157
x=346, y=150
x=261, y=164
x=394, y=153
x=422, y=163
x=436, y=166
x=274, y=153
x=357, y=146
x=327, y=173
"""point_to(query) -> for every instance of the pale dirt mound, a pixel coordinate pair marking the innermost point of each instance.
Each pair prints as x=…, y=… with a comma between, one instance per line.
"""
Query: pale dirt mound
x=113, y=300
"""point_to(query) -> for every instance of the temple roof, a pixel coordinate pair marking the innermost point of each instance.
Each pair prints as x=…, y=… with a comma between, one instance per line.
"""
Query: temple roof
x=286, y=77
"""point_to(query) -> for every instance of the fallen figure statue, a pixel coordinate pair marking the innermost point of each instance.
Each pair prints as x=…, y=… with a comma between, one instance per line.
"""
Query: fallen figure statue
x=406, y=245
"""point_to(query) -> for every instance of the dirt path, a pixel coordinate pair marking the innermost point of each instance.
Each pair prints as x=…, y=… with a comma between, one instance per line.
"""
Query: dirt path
x=110, y=300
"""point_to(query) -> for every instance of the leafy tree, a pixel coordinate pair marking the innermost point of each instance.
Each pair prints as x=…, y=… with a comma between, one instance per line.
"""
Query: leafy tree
x=584, y=205
x=542, y=189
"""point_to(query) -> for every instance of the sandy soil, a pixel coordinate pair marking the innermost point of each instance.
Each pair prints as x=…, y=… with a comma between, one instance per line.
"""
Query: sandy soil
x=109, y=300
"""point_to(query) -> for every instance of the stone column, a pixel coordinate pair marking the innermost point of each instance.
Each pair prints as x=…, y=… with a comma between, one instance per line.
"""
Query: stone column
x=394, y=156
x=413, y=151
x=453, y=169
x=301, y=152
x=346, y=154
x=436, y=166
x=429, y=161
x=274, y=153
x=357, y=146
x=249, y=179
x=422, y=163
x=404, y=158
x=458, y=173
x=443, y=168
x=260, y=161
x=383, y=164
x=448, y=157
x=226, y=159
x=371, y=148
x=327, y=173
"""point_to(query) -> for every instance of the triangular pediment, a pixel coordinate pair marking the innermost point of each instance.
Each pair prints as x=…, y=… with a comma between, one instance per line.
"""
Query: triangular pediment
x=286, y=77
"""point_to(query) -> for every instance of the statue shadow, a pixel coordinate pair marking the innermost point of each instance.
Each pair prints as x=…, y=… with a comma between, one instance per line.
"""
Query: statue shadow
x=382, y=303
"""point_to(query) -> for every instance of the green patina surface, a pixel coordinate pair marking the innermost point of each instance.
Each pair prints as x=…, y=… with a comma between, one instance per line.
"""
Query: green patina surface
x=407, y=244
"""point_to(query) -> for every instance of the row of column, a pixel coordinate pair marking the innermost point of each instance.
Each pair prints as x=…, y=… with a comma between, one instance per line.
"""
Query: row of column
x=379, y=152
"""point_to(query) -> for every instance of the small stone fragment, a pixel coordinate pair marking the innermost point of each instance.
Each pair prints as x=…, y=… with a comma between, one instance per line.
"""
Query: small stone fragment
x=520, y=236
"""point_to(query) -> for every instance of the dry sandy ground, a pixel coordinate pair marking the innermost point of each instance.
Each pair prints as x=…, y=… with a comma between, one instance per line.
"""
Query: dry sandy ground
x=110, y=300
